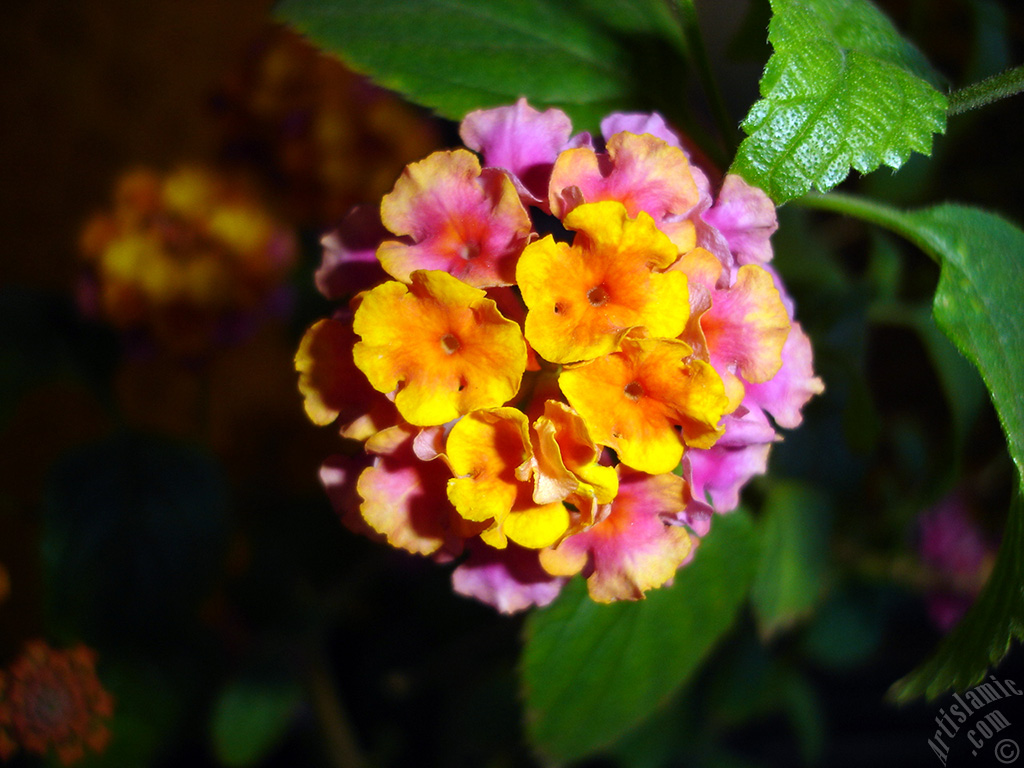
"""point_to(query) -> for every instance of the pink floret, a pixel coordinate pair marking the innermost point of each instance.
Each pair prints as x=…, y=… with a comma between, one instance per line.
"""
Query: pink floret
x=510, y=579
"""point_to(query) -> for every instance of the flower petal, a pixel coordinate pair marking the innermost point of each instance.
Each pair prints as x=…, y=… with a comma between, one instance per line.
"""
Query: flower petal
x=520, y=140
x=490, y=454
x=740, y=454
x=339, y=476
x=786, y=393
x=485, y=449
x=404, y=498
x=333, y=388
x=745, y=216
x=566, y=460
x=639, y=123
x=349, y=262
x=510, y=579
x=744, y=328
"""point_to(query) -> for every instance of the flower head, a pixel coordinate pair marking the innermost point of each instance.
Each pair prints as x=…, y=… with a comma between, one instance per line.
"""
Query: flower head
x=326, y=137
x=608, y=392
x=52, y=700
x=185, y=260
x=954, y=546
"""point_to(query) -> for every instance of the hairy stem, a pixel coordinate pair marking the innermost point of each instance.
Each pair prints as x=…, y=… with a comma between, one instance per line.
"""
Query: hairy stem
x=1001, y=86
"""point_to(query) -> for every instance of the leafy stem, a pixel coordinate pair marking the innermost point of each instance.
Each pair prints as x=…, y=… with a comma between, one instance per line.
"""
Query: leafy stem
x=685, y=12
x=991, y=89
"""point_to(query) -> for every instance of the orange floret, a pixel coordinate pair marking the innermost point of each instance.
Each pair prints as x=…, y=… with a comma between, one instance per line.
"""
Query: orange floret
x=583, y=299
x=441, y=346
x=647, y=401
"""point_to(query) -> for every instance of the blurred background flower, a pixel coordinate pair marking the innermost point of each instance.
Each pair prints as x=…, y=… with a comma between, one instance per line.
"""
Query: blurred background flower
x=185, y=261
x=960, y=553
x=52, y=701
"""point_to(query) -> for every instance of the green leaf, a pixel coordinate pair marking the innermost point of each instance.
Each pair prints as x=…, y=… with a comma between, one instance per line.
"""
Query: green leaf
x=976, y=302
x=591, y=672
x=251, y=717
x=843, y=89
x=979, y=289
x=794, y=556
x=585, y=56
x=980, y=285
x=985, y=633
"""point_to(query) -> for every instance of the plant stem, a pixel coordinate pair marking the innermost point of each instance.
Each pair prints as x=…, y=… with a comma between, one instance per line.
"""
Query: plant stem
x=1008, y=83
x=341, y=742
x=875, y=213
x=686, y=14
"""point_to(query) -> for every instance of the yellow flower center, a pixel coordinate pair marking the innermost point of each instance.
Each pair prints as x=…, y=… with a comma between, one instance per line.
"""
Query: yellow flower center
x=634, y=390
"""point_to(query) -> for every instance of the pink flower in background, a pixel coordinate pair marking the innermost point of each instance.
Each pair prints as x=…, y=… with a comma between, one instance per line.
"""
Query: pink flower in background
x=952, y=544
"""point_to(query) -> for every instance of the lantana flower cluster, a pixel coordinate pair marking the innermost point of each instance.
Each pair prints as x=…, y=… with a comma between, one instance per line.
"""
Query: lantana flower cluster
x=185, y=260
x=535, y=406
x=51, y=701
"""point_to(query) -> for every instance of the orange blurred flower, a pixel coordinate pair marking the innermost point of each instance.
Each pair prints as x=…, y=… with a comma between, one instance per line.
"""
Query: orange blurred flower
x=52, y=700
